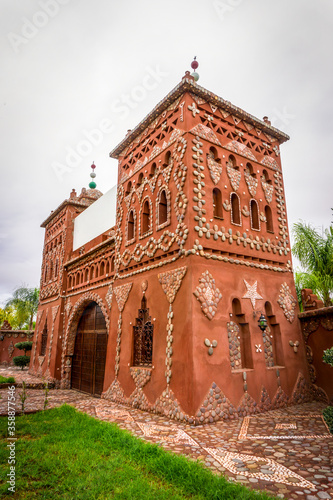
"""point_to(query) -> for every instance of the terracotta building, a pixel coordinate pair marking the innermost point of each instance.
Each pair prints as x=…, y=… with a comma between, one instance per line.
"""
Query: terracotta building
x=160, y=310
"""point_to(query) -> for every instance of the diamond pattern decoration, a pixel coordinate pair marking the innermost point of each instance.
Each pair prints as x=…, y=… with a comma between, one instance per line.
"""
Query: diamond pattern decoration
x=251, y=182
x=171, y=281
x=168, y=434
x=108, y=296
x=122, y=293
x=258, y=467
x=268, y=190
x=215, y=169
x=208, y=295
x=234, y=177
x=287, y=302
x=113, y=413
x=205, y=133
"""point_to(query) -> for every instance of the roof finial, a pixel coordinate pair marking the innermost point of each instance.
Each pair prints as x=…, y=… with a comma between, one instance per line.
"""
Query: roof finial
x=194, y=65
x=93, y=184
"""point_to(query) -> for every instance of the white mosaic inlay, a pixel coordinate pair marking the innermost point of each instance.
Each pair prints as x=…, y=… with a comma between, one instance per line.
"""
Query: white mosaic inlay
x=258, y=467
x=168, y=434
x=273, y=425
x=113, y=413
x=285, y=426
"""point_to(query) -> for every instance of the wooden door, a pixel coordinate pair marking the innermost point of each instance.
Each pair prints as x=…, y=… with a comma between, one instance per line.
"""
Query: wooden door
x=88, y=364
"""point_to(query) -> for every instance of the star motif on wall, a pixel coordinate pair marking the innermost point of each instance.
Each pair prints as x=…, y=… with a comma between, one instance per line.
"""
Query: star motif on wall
x=252, y=293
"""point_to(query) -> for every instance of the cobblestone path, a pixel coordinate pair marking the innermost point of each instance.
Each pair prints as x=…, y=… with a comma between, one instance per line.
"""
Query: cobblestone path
x=287, y=452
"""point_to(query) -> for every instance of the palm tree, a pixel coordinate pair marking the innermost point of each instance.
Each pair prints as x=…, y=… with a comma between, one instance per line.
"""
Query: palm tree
x=25, y=302
x=315, y=253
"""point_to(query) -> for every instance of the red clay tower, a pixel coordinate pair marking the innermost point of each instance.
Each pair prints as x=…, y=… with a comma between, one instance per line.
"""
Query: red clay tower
x=188, y=302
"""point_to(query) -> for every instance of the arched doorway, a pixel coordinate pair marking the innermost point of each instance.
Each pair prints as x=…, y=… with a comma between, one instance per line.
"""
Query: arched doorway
x=88, y=364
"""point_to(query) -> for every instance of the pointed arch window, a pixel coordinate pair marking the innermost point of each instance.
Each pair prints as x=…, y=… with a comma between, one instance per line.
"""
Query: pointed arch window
x=235, y=209
x=153, y=170
x=265, y=177
x=140, y=180
x=269, y=219
x=130, y=226
x=217, y=204
x=167, y=159
x=102, y=269
x=254, y=214
x=143, y=337
x=128, y=188
x=162, y=208
x=46, y=272
x=44, y=340
x=56, y=270
x=145, y=217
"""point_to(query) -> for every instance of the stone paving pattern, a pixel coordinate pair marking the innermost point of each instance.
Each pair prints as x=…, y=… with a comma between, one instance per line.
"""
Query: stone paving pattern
x=286, y=452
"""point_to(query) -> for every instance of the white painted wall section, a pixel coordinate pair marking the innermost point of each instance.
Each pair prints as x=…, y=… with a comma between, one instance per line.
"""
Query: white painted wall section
x=96, y=219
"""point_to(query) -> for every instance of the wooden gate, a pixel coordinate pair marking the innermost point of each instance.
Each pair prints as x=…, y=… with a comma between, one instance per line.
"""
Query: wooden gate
x=88, y=364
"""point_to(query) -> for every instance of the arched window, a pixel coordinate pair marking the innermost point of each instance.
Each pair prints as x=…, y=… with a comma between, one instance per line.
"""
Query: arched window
x=128, y=188
x=77, y=279
x=167, y=159
x=217, y=203
x=96, y=271
x=213, y=153
x=145, y=217
x=107, y=267
x=91, y=273
x=140, y=179
x=162, y=208
x=70, y=282
x=102, y=269
x=254, y=214
x=44, y=340
x=51, y=270
x=242, y=338
x=269, y=219
x=86, y=274
x=143, y=337
x=273, y=336
x=265, y=177
x=56, y=270
x=235, y=209
x=153, y=170
x=112, y=264
x=46, y=270
x=250, y=170
x=232, y=161
x=130, y=226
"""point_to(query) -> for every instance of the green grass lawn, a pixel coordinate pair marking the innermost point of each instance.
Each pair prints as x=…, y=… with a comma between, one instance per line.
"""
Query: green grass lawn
x=7, y=380
x=62, y=453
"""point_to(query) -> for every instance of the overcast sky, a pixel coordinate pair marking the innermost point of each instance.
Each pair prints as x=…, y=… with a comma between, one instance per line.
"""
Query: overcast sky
x=76, y=74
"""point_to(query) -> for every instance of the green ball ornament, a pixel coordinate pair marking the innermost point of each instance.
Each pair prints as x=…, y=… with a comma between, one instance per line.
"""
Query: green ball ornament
x=92, y=185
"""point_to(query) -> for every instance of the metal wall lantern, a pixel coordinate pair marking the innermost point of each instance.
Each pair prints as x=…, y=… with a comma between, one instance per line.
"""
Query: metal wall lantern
x=262, y=321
